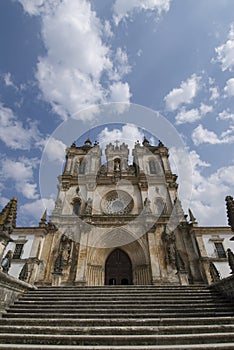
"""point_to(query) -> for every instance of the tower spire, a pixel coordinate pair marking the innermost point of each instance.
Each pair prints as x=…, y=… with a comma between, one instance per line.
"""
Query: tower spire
x=8, y=216
x=42, y=223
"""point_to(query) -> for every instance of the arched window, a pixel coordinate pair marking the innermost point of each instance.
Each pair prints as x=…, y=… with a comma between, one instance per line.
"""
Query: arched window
x=82, y=166
x=76, y=206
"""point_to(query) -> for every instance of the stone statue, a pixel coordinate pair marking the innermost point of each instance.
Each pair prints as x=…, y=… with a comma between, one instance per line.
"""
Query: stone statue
x=147, y=209
x=230, y=260
x=58, y=264
x=6, y=261
x=169, y=239
x=23, y=276
x=215, y=275
x=88, y=209
x=64, y=253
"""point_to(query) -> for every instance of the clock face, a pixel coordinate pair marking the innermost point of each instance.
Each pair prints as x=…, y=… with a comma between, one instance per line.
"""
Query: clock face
x=117, y=203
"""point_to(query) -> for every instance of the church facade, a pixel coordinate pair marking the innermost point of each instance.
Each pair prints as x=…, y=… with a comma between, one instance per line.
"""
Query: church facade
x=116, y=222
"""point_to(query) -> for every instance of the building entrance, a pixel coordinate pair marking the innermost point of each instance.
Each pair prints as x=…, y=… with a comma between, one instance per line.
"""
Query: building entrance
x=118, y=268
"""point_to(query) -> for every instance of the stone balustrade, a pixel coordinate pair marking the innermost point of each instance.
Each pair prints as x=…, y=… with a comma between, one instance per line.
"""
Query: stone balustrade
x=10, y=289
x=225, y=287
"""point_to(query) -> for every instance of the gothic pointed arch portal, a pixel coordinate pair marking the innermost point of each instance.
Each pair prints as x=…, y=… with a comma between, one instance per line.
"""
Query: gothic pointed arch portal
x=118, y=268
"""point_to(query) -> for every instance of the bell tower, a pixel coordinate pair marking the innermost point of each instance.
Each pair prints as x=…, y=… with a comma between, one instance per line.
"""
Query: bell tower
x=117, y=158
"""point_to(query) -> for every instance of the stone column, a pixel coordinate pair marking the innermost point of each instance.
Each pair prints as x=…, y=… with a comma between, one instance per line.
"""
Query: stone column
x=81, y=272
x=154, y=260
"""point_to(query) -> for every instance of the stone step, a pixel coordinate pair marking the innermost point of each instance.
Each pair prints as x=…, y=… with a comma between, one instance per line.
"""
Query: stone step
x=119, y=330
x=123, y=296
x=120, y=309
x=119, y=315
x=108, y=289
x=118, y=303
x=124, y=287
x=122, y=300
x=130, y=321
x=221, y=346
x=58, y=339
x=124, y=291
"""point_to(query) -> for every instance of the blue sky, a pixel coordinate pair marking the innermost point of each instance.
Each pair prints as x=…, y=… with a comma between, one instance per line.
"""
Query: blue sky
x=58, y=57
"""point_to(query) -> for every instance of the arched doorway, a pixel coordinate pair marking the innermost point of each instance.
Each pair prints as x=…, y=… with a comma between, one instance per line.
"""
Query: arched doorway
x=118, y=268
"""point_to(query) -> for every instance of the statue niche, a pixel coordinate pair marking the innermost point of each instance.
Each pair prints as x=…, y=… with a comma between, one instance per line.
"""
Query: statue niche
x=63, y=256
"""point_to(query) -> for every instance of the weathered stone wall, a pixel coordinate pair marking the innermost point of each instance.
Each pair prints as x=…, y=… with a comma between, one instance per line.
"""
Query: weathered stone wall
x=10, y=288
x=225, y=287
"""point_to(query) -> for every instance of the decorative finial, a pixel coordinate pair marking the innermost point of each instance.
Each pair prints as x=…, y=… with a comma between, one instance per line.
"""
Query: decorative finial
x=117, y=144
x=145, y=142
x=192, y=217
x=42, y=223
x=88, y=142
x=160, y=144
x=230, y=211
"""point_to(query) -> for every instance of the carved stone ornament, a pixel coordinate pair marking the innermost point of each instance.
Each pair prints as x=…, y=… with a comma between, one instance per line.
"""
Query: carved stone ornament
x=65, y=186
x=117, y=203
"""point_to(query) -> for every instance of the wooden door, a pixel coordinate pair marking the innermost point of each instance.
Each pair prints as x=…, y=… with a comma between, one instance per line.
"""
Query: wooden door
x=118, y=269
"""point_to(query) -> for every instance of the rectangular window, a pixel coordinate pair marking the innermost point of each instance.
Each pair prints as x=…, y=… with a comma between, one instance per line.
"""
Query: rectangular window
x=220, y=250
x=18, y=250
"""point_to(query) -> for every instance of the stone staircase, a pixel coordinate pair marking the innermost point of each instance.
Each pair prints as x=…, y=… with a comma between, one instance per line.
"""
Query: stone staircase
x=119, y=317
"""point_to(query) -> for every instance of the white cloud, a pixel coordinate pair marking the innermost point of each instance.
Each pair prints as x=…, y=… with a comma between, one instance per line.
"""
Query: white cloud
x=214, y=93
x=201, y=135
x=31, y=6
x=121, y=66
x=229, y=88
x=204, y=109
x=124, y=9
x=193, y=114
x=186, y=164
x=55, y=150
x=13, y=133
x=226, y=115
x=4, y=201
x=107, y=30
x=208, y=195
x=37, y=208
x=37, y=7
x=187, y=116
x=120, y=92
x=184, y=94
x=7, y=78
x=228, y=135
x=70, y=75
x=225, y=52
x=128, y=134
x=21, y=173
